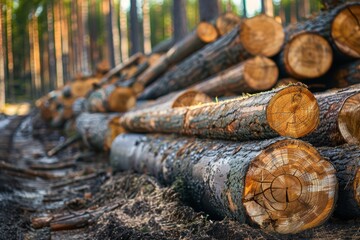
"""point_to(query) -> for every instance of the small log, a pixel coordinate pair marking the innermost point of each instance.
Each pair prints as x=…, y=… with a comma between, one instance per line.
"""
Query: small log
x=260, y=35
x=289, y=111
x=226, y=22
x=306, y=55
x=253, y=75
x=64, y=145
x=346, y=75
x=339, y=118
x=281, y=185
x=163, y=46
x=346, y=160
x=205, y=33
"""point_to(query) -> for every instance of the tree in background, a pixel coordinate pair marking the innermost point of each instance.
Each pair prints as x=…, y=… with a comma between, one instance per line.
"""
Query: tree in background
x=179, y=20
x=134, y=28
x=2, y=59
x=209, y=9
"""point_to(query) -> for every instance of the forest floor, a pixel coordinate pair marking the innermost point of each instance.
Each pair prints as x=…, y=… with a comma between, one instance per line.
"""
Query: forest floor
x=75, y=195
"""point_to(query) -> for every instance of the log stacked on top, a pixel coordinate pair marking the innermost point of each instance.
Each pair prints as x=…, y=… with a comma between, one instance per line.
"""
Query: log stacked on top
x=277, y=181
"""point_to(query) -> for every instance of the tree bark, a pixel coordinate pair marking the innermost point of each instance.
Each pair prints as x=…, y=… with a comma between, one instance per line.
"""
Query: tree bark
x=204, y=34
x=209, y=10
x=2, y=60
x=146, y=26
x=124, y=34
x=134, y=28
x=253, y=75
x=163, y=46
x=179, y=20
x=339, y=118
x=10, y=57
x=109, y=29
x=52, y=61
x=261, y=116
x=58, y=46
x=346, y=160
x=238, y=45
x=345, y=75
x=267, y=181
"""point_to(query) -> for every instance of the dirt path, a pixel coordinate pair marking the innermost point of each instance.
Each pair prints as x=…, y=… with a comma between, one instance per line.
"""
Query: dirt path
x=74, y=195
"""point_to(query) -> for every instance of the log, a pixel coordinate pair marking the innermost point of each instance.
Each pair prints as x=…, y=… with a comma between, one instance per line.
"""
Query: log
x=306, y=55
x=346, y=160
x=205, y=33
x=339, y=118
x=163, y=46
x=289, y=111
x=345, y=75
x=226, y=22
x=111, y=98
x=260, y=35
x=281, y=185
x=253, y=75
x=340, y=26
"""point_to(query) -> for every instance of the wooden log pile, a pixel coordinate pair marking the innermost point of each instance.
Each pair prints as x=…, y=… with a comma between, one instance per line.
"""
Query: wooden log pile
x=272, y=153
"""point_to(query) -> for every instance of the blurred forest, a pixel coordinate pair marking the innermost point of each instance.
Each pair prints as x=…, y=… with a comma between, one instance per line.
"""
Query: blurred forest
x=45, y=43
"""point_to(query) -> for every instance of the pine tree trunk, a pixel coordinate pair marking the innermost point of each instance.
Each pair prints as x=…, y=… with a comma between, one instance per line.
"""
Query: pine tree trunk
x=109, y=37
x=10, y=57
x=51, y=47
x=346, y=160
x=134, y=28
x=289, y=111
x=146, y=26
x=2, y=59
x=58, y=46
x=238, y=45
x=253, y=75
x=179, y=19
x=269, y=181
x=124, y=35
x=339, y=118
x=209, y=10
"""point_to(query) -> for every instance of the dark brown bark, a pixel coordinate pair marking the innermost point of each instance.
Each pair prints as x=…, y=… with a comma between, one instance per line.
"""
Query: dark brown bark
x=253, y=75
x=209, y=9
x=261, y=116
x=339, y=120
x=163, y=46
x=345, y=75
x=179, y=19
x=134, y=28
x=237, y=180
x=230, y=49
x=346, y=160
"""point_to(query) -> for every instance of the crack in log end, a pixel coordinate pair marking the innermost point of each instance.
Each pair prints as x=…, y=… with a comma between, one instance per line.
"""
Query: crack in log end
x=349, y=120
x=293, y=112
x=345, y=31
x=292, y=187
x=262, y=35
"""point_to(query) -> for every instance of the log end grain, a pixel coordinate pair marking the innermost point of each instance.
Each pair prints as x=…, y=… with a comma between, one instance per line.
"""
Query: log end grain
x=207, y=32
x=345, y=31
x=293, y=112
x=349, y=120
x=307, y=55
x=260, y=73
x=289, y=188
x=262, y=35
x=114, y=129
x=226, y=22
x=121, y=100
x=190, y=98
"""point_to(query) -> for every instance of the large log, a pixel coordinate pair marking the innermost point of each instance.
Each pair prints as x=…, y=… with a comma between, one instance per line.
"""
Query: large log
x=346, y=160
x=287, y=111
x=339, y=118
x=253, y=75
x=205, y=33
x=340, y=26
x=260, y=35
x=281, y=185
x=305, y=55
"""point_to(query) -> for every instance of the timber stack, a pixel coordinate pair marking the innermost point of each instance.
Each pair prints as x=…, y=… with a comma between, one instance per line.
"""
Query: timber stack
x=235, y=114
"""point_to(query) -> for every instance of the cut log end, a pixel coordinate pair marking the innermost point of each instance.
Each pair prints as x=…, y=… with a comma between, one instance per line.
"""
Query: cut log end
x=226, y=22
x=345, y=31
x=293, y=112
x=114, y=129
x=206, y=32
x=121, y=100
x=191, y=98
x=285, y=81
x=260, y=73
x=308, y=55
x=262, y=35
x=289, y=188
x=349, y=120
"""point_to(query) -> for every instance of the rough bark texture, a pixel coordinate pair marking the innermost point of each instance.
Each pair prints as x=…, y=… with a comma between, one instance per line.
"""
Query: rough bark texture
x=343, y=33
x=190, y=44
x=233, y=180
x=346, y=160
x=232, y=48
x=253, y=75
x=288, y=111
x=338, y=123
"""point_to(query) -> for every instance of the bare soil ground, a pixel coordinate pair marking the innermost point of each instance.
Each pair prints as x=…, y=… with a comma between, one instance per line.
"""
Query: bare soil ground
x=75, y=195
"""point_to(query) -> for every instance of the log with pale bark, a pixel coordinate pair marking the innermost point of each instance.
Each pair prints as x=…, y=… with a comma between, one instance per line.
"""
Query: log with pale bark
x=205, y=33
x=288, y=111
x=260, y=35
x=305, y=56
x=346, y=160
x=281, y=185
x=339, y=117
x=253, y=75
x=340, y=26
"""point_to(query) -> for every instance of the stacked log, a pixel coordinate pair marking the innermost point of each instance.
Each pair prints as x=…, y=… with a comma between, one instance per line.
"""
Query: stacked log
x=281, y=185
